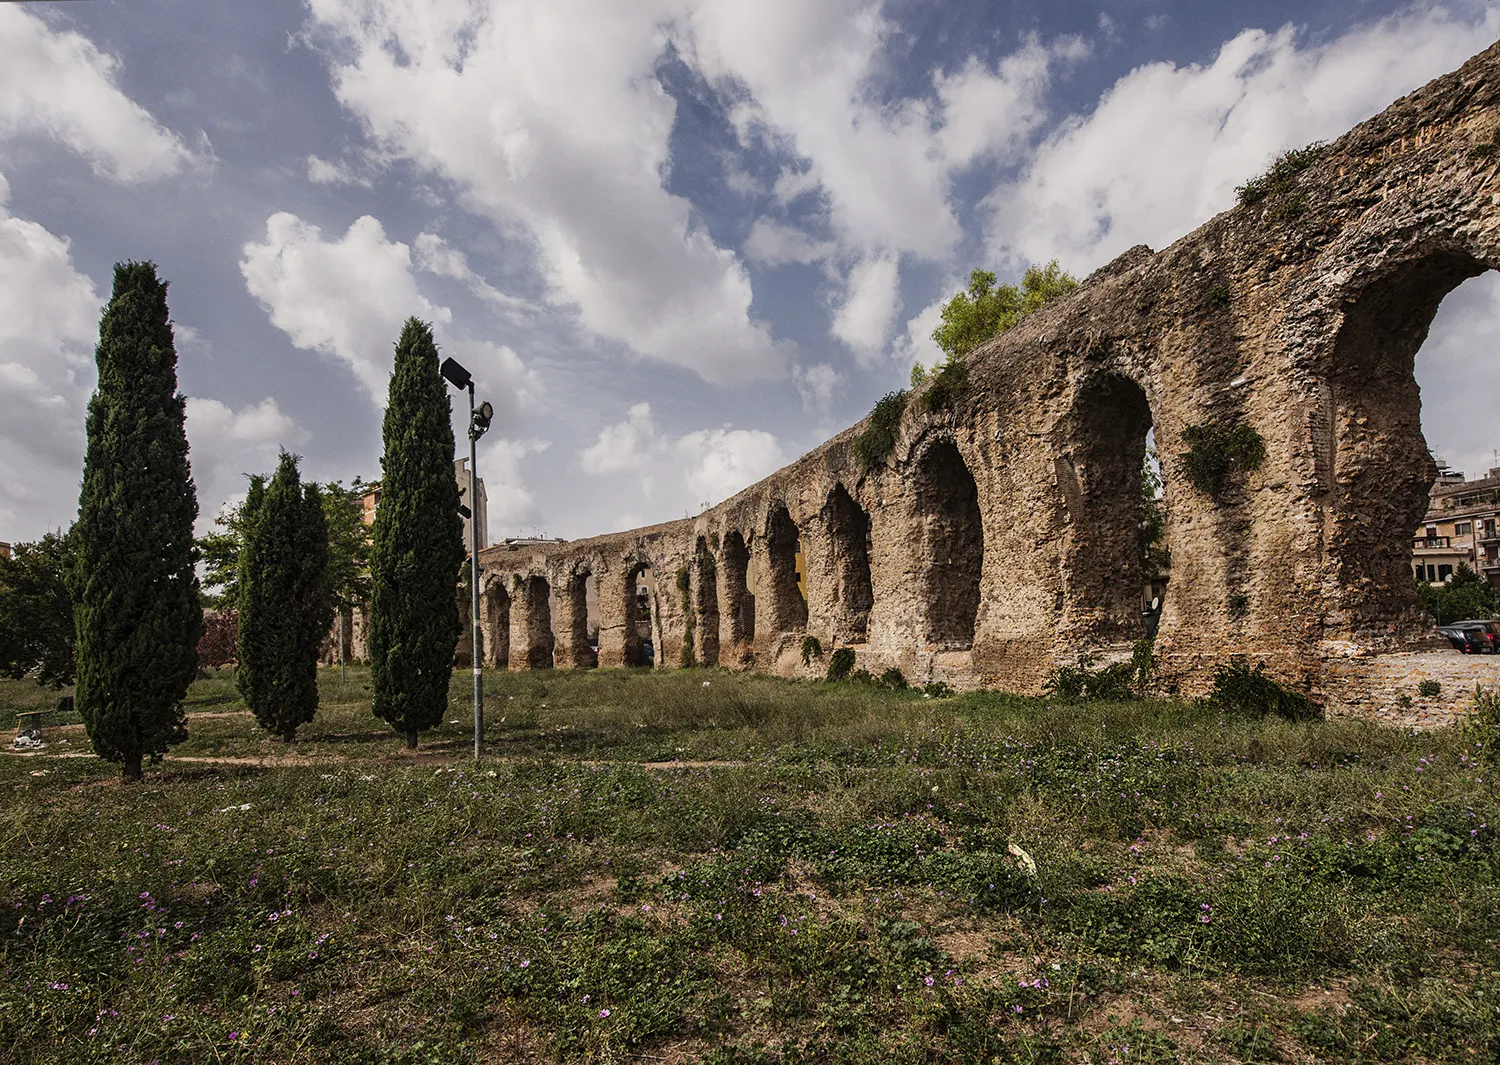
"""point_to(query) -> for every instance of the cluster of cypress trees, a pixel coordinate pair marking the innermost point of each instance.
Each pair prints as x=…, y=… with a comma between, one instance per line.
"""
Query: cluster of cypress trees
x=136, y=598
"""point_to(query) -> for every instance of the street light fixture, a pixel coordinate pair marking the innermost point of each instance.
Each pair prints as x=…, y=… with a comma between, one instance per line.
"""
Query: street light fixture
x=479, y=423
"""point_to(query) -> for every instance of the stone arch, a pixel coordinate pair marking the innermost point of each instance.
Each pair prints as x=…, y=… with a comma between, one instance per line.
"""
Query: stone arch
x=532, y=642
x=736, y=601
x=705, y=604
x=1100, y=477
x=1374, y=470
x=640, y=584
x=950, y=546
x=495, y=606
x=786, y=598
x=851, y=595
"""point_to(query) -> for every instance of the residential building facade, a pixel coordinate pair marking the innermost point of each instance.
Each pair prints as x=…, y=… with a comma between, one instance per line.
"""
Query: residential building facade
x=1462, y=527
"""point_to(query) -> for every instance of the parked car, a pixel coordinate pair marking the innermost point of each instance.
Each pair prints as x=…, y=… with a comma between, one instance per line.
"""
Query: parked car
x=1473, y=637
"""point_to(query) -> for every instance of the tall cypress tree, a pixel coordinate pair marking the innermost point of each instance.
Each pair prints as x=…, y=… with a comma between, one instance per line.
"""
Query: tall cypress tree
x=418, y=545
x=285, y=602
x=137, y=606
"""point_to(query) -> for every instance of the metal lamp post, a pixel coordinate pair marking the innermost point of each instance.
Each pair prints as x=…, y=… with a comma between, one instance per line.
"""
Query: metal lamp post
x=479, y=423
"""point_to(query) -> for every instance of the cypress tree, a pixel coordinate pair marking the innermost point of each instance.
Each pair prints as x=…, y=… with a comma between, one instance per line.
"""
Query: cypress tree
x=284, y=601
x=138, y=611
x=417, y=545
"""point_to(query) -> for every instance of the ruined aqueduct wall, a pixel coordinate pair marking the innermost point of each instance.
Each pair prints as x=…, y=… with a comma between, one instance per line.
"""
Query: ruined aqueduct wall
x=999, y=536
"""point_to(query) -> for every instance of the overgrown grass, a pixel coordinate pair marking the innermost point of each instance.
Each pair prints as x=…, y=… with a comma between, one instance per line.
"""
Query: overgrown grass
x=830, y=872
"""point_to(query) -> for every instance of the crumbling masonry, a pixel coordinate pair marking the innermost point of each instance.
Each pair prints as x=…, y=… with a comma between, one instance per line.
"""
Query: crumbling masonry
x=998, y=540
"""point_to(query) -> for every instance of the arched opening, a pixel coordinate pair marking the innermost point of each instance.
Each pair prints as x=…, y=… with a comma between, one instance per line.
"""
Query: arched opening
x=951, y=546
x=640, y=589
x=705, y=604
x=1116, y=562
x=738, y=603
x=853, y=594
x=496, y=630
x=787, y=605
x=538, y=623
x=1409, y=476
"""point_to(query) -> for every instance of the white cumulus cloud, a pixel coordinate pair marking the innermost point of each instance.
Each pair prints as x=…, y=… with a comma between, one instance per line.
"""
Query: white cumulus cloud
x=225, y=445
x=686, y=474
x=345, y=298
x=57, y=83
x=864, y=319
x=1165, y=147
x=546, y=114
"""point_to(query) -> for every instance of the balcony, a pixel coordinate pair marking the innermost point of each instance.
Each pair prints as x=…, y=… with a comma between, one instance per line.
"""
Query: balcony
x=1432, y=543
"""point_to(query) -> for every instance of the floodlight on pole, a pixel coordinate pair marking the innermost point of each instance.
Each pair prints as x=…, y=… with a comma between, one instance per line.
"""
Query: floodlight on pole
x=479, y=423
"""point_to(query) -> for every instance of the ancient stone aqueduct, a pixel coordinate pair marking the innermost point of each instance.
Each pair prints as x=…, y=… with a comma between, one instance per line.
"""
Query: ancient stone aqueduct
x=998, y=540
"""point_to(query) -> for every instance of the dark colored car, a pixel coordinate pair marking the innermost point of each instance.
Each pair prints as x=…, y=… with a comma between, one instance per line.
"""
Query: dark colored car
x=1473, y=637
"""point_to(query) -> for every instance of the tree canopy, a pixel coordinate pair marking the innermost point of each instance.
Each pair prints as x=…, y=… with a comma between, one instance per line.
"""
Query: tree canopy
x=986, y=309
x=134, y=585
x=36, y=613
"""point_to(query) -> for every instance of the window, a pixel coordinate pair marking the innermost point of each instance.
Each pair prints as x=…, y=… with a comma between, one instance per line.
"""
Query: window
x=1444, y=572
x=1463, y=528
x=1431, y=574
x=1419, y=571
x=1431, y=531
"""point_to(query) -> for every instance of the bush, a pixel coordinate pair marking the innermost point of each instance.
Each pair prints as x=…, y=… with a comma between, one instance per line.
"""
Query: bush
x=216, y=647
x=948, y=382
x=1217, y=451
x=893, y=679
x=1218, y=294
x=1112, y=683
x=1242, y=690
x=1429, y=689
x=875, y=444
x=937, y=690
x=841, y=663
x=1280, y=179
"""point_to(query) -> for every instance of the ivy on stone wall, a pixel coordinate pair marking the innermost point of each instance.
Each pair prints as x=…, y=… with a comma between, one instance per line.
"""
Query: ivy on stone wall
x=1217, y=452
x=684, y=588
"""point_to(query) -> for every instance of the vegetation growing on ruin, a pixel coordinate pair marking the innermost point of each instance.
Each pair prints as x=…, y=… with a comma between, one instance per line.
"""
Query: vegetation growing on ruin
x=1217, y=452
x=757, y=871
x=840, y=664
x=874, y=445
x=981, y=313
x=1278, y=184
x=812, y=648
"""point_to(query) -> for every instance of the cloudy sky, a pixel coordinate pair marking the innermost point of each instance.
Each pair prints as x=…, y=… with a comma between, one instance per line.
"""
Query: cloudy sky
x=678, y=242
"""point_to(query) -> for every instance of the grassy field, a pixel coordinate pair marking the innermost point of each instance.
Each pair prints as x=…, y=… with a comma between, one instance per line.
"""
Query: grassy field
x=701, y=866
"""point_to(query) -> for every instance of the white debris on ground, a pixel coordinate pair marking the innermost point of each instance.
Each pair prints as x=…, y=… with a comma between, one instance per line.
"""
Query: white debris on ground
x=28, y=741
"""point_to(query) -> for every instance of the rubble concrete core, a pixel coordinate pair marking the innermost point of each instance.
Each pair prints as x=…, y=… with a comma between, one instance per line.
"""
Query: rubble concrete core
x=998, y=540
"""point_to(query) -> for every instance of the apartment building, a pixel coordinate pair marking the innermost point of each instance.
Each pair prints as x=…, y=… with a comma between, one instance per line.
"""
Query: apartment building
x=1462, y=526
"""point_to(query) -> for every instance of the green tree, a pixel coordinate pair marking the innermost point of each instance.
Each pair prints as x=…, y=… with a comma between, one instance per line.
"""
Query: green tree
x=135, y=590
x=348, y=549
x=36, y=613
x=1465, y=596
x=220, y=549
x=417, y=545
x=285, y=604
x=986, y=310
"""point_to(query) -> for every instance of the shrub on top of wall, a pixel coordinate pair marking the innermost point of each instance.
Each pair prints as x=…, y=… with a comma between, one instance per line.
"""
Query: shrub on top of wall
x=1217, y=451
x=1280, y=178
x=873, y=445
